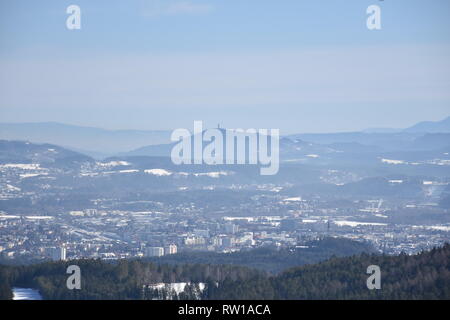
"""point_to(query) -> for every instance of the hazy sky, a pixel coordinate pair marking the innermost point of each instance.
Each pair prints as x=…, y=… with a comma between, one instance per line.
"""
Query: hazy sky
x=301, y=66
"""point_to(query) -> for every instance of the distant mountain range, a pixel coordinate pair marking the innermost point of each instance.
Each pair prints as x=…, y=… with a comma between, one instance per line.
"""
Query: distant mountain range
x=101, y=143
x=95, y=142
x=333, y=146
x=431, y=127
x=442, y=126
x=335, y=170
x=47, y=154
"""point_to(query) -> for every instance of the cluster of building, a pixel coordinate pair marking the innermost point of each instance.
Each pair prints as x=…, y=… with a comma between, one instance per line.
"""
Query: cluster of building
x=160, y=251
x=116, y=228
x=113, y=234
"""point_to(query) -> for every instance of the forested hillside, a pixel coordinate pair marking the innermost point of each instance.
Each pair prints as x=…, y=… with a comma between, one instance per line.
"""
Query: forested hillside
x=123, y=280
x=423, y=276
x=274, y=260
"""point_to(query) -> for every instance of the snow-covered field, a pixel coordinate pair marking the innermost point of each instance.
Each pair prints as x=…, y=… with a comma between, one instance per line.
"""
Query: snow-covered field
x=26, y=294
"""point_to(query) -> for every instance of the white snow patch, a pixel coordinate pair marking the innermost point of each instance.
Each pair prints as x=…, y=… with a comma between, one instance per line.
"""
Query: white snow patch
x=113, y=163
x=26, y=294
x=355, y=223
x=437, y=228
x=158, y=172
x=177, y=287
x=39, y=217
x=309, y=221
x=214, y=175
x=389, y=161
x=23, y=166
x=31, y=175
x=128, y=171
x=294, y=199
x=12, y=188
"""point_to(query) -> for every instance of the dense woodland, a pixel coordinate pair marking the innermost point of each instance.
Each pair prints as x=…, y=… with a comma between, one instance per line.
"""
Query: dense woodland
x=422, y=276
x=125, y=279
x=274, y=260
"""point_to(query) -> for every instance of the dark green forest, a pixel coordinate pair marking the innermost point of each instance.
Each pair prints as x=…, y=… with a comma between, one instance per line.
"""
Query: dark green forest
x=123, y=280
x=422, y=276
x=271, y=259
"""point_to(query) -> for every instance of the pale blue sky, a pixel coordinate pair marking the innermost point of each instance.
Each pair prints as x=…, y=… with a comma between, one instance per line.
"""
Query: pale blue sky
x=301, y=66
